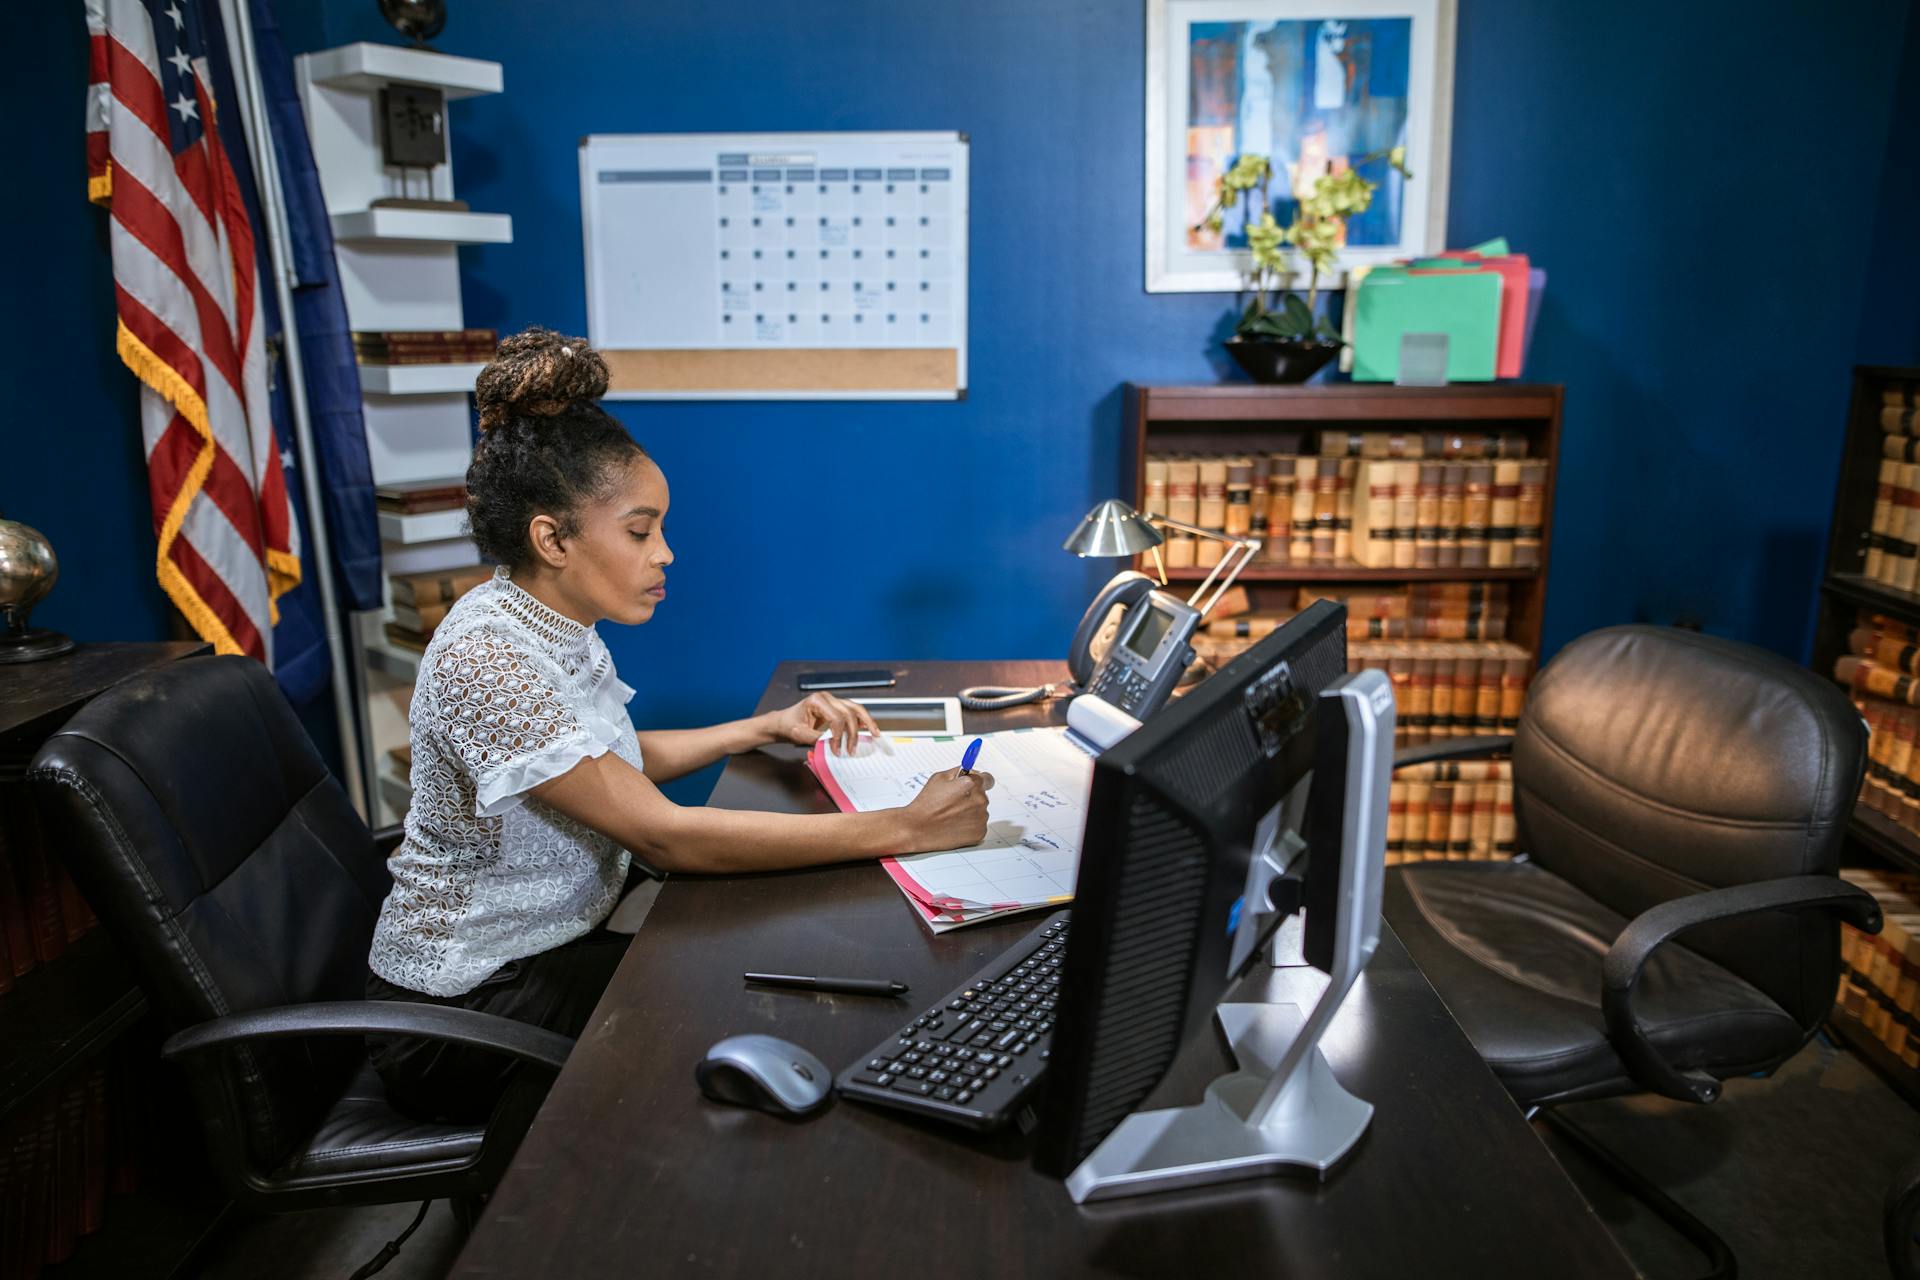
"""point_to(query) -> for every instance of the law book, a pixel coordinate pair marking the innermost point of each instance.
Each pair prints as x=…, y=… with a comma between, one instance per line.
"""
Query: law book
x=422, y=337
x=445, y=585
x=1343, y=500
x=1439, y=820
x=1485, y=792
x=1419, y=804
x=450, y=355
x=406, y=638
x=1530, y=515
x=1213, y=511
x=1406, y=513
x=1250, y=626
x=421, y=618
x=1373, y=505
x=1426, y=516
x=1233, y=602
x=1901, y=395
x=1156, y=487
x=1514, y=675
x=1505, y=833
x=1900, y=420
x=1396, y=821
x=1440, y=716
x=1326, y=509
x=1371, y=444
x=1900, y=448
x=1282, y=475
x=1476, y=514
x=1867, y=677
x=1258, y=497
x=1478, y=770
x=1417, y=712
x=1453, y=501
x=1460, y=822
x=420, y=495
x=1503, y=515
x=1183, y=504
x=1882, y=521
x=1904, y=549
x=1306, y=482
x=1239, y=510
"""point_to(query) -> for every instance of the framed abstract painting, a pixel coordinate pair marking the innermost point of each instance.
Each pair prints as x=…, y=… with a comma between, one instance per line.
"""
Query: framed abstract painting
x=1318, y=86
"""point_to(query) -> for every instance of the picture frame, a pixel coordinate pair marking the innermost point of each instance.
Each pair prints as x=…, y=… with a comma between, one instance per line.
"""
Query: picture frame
x=1313, y=84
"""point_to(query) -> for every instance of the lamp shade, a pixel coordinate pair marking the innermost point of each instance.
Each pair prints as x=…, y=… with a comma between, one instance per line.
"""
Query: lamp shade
x=1113, y=529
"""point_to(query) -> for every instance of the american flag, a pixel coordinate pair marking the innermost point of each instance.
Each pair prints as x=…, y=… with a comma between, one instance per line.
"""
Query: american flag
x=189, y=327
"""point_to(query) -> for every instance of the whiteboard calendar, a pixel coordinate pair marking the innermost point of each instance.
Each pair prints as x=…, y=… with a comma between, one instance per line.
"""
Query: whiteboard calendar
x=785, y=265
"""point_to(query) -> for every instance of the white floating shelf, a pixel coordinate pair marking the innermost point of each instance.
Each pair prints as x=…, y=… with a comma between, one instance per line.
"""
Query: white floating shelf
x=417, y=379
x=438, y=226
x=422, y=526
x=390, y=659
x=367, y=67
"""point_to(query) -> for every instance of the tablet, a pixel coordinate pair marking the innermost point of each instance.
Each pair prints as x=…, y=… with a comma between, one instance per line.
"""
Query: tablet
x=912, y=717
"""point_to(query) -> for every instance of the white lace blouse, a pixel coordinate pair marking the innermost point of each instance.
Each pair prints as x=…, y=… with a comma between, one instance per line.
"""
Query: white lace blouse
x=510, y=695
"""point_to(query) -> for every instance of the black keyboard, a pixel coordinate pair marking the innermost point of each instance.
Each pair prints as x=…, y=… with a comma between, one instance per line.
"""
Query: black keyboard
x=973, y=1058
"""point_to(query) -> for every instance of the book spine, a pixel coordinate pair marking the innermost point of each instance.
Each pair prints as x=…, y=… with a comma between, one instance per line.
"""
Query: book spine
x=1419, y=805
x=1530, y=515
x=1900, y=420
x=1503, y=515
x=1343, y=509
x=1900, y=448
x=1326, y=509
x=1426, y=517
x=1183, y=492
x=1476, y=516
x=1505, y=841
x=1882, y=521
x=1306, y=479
x=1439, y=820
x=1453, y=501
x=1484, y=803
x=1213, y=511
x=1901, y=565
x=1901, y=395
x=1258, y=498
x=1406, y=513
x=1280, y=483
x=1419, y=706
x=1239, y=514
x=1154, y=496
x=1377, y=480
x=1460, y=822
x=1512, y=678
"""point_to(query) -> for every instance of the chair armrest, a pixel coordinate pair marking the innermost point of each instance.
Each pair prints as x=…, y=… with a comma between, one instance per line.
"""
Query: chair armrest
x=387, y=839
x=1453, y=749
x=381, y=1017
x=1637, y=942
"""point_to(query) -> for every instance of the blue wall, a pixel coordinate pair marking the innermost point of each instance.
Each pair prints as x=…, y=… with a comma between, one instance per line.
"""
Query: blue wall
x=1707, y=195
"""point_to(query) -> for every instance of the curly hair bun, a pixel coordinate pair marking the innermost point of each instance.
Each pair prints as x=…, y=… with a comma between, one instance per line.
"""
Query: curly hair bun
x=540, y=372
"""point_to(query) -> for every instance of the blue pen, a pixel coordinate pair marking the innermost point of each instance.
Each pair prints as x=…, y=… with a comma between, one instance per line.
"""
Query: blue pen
x=973, y=753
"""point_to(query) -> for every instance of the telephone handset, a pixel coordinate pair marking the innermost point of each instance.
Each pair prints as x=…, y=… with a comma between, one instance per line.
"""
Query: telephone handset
x=1148, y=651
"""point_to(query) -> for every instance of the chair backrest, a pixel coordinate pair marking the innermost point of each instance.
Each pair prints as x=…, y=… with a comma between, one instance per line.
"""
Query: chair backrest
x=1651, y=763
x=226, y=861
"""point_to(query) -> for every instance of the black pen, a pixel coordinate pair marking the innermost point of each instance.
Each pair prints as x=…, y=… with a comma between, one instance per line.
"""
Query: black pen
x=840, y=986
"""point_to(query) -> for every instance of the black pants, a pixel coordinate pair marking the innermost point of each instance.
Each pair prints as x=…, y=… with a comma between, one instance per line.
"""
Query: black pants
x=436, y=1081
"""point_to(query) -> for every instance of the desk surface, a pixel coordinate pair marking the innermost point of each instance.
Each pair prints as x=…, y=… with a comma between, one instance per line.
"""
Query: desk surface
x=628, y=1170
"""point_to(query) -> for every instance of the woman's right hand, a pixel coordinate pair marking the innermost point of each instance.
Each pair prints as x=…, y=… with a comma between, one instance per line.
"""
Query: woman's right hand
x=950, y=812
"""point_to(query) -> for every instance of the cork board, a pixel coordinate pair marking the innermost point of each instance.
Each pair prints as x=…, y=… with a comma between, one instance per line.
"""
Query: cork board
x=778, y=266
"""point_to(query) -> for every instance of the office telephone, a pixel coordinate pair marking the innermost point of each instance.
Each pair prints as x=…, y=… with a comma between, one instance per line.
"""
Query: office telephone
x=1132, y=646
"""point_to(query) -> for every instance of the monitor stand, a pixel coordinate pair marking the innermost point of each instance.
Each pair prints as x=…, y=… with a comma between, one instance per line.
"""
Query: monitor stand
x=1282, y=1110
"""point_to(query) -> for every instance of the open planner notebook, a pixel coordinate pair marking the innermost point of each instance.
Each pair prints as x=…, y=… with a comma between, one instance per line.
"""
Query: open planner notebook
x=1035, y=814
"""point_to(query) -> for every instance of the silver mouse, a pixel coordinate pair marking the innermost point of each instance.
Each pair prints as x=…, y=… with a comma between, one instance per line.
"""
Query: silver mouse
x=766, y=1073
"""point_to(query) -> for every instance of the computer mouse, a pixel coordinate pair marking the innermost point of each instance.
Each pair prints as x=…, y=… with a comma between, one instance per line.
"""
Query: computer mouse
x=766, y=1073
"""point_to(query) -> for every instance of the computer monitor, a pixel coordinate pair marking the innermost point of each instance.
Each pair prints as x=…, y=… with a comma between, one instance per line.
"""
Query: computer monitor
x=1263, y=786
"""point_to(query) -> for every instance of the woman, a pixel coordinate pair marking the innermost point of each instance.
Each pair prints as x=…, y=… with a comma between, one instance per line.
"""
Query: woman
x=530, y=786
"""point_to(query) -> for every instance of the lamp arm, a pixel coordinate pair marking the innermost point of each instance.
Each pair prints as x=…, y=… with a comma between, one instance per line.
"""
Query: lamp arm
x=1246, y=547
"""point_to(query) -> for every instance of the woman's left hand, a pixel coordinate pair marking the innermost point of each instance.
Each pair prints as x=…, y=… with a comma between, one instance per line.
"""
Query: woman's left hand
x=818, y=713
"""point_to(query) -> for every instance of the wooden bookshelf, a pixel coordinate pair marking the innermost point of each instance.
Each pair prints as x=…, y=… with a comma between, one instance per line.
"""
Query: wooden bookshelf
x=1874, y=838
x=1246, y=418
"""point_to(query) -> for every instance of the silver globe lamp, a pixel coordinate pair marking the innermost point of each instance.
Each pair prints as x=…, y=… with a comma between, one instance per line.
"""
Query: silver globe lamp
x=28, y=571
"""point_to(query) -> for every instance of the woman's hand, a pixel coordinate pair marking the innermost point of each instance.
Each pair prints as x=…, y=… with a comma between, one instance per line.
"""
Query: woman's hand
x=818, y=713
x=950, y=812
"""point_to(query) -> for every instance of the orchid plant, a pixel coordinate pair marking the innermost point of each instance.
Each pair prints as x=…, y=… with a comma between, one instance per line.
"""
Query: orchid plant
x=1317, y=232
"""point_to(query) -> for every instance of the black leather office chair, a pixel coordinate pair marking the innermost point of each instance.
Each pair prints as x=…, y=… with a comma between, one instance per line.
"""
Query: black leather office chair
x=1665, y=782
x=231, y=869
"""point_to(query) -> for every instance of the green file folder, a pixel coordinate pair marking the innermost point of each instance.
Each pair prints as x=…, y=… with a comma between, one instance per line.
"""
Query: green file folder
x=1464, y=305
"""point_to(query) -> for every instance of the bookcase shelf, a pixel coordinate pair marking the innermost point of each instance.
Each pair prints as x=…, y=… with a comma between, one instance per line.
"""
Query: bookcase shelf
x=1349, y=571
x=1247, y=418
x=368, y=67
x=430, y=225
x=1873, y=838
x=417, y=379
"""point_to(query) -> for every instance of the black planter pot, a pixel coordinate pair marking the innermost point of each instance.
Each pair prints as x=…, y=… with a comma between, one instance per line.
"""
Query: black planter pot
x=1280, y=360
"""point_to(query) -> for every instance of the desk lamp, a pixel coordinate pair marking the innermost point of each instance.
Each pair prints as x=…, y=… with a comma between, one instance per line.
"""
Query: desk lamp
x=1115, y=529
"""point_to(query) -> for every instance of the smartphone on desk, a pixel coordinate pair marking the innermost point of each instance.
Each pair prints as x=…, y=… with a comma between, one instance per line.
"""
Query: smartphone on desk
x=874, y=678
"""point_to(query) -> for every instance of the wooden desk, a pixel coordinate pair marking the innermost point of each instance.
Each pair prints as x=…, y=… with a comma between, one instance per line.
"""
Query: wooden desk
x=629, y=1171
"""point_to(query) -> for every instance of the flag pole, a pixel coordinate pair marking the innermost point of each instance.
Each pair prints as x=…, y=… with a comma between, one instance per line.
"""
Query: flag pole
x=253, y=112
